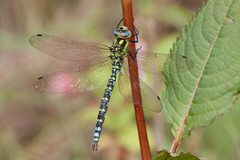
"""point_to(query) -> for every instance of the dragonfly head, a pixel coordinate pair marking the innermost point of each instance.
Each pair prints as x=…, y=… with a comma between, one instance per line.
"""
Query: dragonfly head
x=122, y=32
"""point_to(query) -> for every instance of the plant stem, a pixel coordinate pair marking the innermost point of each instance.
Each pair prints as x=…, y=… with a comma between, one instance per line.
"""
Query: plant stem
x=136, y=92
x=172, y=146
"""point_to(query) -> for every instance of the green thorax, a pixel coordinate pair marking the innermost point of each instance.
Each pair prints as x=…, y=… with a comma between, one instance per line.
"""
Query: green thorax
x=119, y=50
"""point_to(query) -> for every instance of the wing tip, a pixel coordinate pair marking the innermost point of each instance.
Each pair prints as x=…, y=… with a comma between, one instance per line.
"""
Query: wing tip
x=37, y=84
x=39, y=78
x=31, y=39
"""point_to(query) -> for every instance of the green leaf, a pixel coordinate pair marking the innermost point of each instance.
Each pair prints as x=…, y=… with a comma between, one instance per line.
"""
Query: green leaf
x=212, y=41
x=164, y=155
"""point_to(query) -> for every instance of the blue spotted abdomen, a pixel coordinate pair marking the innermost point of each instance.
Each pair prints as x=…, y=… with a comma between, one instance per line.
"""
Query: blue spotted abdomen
x=104, y=104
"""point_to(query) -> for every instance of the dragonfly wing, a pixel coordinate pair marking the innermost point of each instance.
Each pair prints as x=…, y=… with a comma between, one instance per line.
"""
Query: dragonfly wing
x=150, y=100
x=155, y=62
x=124, y=85
x=75, y=80
x=69, y=49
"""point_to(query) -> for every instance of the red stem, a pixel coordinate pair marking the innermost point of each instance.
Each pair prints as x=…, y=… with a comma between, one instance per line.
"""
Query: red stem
x=136, y=93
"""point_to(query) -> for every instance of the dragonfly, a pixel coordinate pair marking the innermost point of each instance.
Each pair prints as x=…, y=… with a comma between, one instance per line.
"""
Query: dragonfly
x=101, y=64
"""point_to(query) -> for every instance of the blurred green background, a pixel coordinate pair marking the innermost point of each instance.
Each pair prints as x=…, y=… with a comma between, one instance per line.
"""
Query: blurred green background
x=37, y=126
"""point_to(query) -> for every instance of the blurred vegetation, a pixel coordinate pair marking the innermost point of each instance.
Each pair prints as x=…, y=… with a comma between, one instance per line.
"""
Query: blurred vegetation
x=37, y=126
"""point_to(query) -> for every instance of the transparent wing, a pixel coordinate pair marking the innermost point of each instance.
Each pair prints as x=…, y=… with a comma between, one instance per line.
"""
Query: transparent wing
x=150, y=99
x=76, y=80
x=154, y=62
x=69, y=49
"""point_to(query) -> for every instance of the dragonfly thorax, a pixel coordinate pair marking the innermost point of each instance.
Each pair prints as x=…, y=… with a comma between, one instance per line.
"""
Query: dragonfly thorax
x=119, y=48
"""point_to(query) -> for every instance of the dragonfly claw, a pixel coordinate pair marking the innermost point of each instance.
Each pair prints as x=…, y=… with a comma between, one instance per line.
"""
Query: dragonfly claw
x=94, y=146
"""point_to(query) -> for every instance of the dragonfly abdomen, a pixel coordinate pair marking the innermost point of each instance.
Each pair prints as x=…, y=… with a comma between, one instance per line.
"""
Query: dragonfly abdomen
x=104, y=106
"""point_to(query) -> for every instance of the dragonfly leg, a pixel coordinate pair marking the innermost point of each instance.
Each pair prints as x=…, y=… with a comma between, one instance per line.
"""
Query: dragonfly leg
x=133, y=57
x=130, y=54
x=135, y=34
x=134, y=41
x=138, y=49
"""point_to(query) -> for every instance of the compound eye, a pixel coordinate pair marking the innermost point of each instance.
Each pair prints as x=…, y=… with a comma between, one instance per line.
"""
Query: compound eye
x=128, y=33
x=115, y=32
